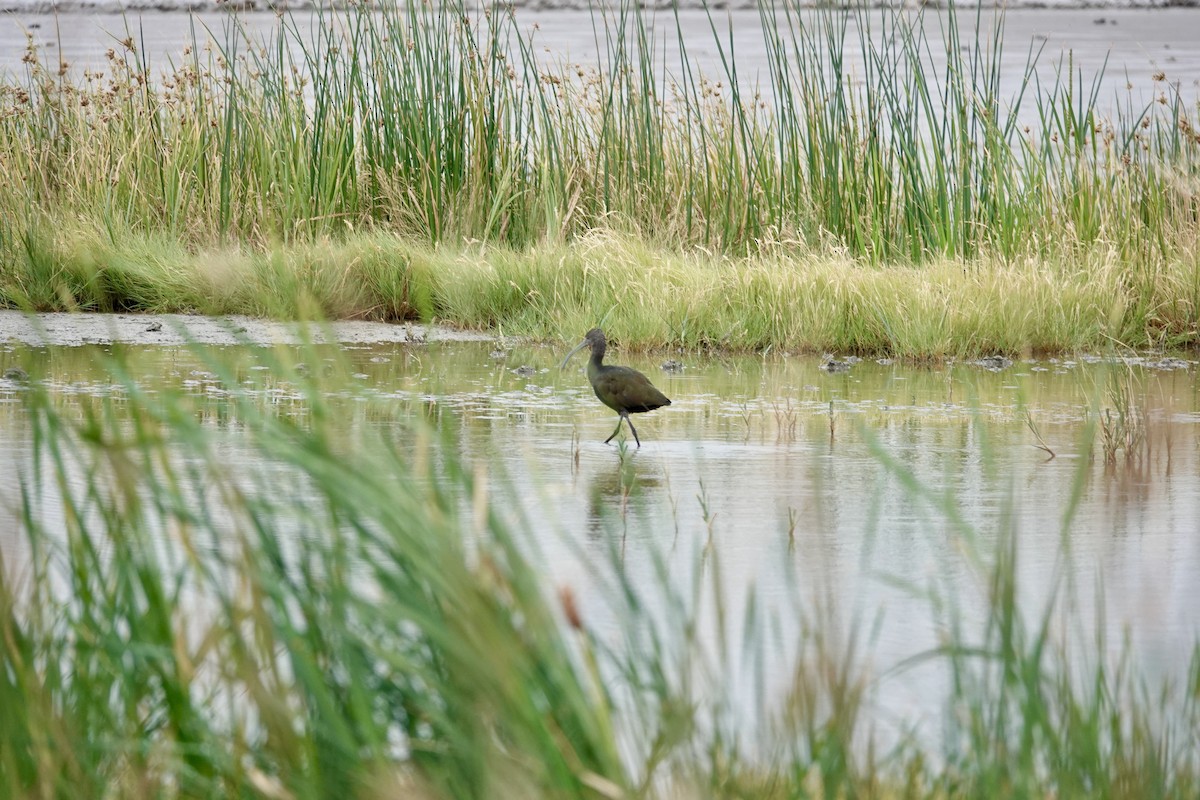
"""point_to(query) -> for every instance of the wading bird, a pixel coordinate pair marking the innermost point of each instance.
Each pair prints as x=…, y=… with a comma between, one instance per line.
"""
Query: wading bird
x=624, y=390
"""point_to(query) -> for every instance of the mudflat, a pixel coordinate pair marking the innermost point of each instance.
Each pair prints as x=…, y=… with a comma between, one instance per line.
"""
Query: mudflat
x=71, y=329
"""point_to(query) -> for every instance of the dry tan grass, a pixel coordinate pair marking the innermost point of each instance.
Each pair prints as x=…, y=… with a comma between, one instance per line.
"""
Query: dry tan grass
x=645, y=296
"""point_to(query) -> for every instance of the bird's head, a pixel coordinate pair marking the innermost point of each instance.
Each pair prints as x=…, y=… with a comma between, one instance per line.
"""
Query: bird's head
x=593, y=339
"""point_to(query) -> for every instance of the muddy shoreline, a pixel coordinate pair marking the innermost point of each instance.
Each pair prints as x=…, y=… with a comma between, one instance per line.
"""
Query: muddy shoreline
x=67, y=329
x=63, y=329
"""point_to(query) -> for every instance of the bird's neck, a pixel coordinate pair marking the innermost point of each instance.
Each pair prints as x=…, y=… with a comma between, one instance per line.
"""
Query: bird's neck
x=595, y=362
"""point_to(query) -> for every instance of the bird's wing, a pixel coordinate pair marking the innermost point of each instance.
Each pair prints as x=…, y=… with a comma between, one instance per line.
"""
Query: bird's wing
x=625, y=389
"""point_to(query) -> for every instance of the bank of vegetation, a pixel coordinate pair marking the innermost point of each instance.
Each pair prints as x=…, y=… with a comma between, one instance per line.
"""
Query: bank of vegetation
x=438, y=162
x=365, y=616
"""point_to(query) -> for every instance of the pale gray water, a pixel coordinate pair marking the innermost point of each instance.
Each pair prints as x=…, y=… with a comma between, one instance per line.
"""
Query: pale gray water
x=746, y=444
x=1137, y=43
x=746, y=452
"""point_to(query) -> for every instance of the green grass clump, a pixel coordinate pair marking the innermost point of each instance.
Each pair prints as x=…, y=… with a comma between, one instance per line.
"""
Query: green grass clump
x=317, y=628
x=646, y=296
x=442, y=127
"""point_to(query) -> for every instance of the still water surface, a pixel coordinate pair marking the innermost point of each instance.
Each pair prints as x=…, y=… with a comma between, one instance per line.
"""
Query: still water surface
x=1125, y=47
x=784, y=479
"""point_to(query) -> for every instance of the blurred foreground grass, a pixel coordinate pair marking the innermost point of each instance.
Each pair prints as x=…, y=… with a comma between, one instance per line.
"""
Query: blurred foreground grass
x=356, y=618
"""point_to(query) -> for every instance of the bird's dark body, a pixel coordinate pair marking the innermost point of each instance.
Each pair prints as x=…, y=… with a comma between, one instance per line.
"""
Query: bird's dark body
x=623, y=389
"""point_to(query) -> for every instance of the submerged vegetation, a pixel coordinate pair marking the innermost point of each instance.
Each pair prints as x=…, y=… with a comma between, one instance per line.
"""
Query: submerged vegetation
x=351, y=168
x=365, y=616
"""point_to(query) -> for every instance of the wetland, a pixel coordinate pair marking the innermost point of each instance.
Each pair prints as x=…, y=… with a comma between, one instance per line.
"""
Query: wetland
x=919, y=521
x=877, y=489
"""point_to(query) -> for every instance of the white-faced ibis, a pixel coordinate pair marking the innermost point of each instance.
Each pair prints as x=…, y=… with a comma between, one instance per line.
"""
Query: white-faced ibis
x=623, y=389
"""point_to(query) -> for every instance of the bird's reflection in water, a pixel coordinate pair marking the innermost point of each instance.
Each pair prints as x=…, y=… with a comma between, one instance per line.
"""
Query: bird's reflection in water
x=617, y=490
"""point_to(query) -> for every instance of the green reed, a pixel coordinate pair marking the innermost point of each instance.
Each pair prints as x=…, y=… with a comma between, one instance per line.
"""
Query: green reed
x=448, y=123
x=317, y=627
x=350, y=167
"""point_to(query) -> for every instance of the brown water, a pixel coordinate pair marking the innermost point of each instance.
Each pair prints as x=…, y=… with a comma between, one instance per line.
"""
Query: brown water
x=775, y=478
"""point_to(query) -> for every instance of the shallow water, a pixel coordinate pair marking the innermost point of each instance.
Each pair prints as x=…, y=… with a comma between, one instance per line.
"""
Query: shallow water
x=1129, y=46
x=772, y=476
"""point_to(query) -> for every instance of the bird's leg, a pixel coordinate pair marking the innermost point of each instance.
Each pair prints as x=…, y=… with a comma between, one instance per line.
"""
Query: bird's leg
x=618, y=430
x=635, y=436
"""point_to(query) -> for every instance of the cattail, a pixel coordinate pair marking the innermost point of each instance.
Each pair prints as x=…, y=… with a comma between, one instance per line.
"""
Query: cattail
x=566, y=596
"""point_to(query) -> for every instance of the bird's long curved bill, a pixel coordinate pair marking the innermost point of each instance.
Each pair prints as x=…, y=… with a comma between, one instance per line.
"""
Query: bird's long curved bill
x=574, y=350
